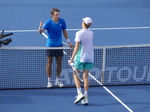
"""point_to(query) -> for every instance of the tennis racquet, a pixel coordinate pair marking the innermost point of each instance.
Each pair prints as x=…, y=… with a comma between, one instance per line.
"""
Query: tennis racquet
x=76, y=73
x=72, y=66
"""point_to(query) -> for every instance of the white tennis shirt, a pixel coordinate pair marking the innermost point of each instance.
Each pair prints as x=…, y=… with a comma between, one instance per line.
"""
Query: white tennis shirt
x=85, y=52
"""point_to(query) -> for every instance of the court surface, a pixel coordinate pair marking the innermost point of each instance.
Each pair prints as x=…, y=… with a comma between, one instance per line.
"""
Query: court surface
x=46, y=100
x=115, y=22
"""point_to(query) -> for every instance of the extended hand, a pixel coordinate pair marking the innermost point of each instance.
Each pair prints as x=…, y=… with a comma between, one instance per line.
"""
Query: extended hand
x=71, y=45
x=41, y=24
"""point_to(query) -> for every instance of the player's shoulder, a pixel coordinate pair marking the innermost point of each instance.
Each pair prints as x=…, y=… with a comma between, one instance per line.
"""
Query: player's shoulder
x=79, y=32
x=48, y=21
x=91, y=31
x=88, y=30
x=61, y=20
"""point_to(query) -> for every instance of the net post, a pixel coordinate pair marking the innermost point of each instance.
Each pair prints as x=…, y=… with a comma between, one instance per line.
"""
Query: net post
x=103, y=66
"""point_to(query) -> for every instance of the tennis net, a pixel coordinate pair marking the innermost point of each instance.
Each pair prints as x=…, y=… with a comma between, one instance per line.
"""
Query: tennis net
x=25, y=67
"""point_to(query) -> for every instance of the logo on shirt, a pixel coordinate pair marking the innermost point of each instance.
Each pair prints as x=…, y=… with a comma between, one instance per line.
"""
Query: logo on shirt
x=60, y=24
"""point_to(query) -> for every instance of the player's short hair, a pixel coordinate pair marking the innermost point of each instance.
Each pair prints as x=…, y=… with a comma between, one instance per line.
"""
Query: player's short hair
x=87, y=25
x=54, y=10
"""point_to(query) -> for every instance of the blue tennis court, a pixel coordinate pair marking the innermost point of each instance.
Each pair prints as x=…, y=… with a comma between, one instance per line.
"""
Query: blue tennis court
x=135, y=97
x=115, y=23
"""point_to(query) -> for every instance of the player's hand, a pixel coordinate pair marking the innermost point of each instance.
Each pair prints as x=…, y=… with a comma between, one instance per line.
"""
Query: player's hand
x=71, y=45
x=41, y=24
x=70, y=62
x=40, y=27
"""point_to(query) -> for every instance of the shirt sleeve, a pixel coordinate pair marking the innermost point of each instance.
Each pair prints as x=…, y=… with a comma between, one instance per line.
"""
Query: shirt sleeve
x=77, y=37
x=64, y=27
x=45, y=25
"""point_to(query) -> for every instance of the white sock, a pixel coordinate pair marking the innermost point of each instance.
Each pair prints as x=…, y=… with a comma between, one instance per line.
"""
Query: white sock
x=79, y=91
x=49, y=79
x=85, y=94
x=57, y=79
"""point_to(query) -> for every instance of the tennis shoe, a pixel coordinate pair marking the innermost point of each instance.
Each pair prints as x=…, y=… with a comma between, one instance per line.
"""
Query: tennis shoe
x=85, y=101
x=49, y=84
x=79, y=98
x=59, y=83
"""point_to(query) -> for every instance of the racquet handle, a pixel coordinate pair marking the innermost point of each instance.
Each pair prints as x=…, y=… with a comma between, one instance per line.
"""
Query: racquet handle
x=72, y=64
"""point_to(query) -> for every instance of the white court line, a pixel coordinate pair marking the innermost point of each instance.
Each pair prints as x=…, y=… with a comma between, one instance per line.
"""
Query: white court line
x=117, y=28
x=111, y=93
x=145, y=10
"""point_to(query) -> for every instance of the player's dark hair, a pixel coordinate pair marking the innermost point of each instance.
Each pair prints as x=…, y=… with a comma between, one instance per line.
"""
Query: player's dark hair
x=54, y=10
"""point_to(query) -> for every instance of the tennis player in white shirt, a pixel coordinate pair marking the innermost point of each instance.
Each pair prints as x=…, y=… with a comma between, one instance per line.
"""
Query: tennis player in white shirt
x=83, y=57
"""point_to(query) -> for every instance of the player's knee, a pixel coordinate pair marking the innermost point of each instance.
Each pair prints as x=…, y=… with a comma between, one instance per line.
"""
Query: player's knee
x=49, y=64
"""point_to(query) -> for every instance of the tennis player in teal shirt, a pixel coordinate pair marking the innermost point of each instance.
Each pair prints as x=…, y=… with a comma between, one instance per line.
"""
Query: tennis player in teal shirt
x=55, y=27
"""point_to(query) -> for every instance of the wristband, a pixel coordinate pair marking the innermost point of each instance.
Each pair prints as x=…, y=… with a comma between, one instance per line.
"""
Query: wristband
x=40, y=28
x=68, y=40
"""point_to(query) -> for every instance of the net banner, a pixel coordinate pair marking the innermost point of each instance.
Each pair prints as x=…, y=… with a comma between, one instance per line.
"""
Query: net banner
x=129, y=65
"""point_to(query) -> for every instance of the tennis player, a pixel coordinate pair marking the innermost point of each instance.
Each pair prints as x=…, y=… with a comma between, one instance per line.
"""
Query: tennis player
x=55, y=27
x=83, y=56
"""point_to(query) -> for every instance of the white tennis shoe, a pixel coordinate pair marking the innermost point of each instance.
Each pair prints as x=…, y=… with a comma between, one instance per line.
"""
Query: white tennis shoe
x=85, y=101
x=79, y=98
x=49, y=84
x=58, y=83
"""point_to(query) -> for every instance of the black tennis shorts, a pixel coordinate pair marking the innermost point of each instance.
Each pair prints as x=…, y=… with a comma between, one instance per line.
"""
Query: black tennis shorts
x=54, y=52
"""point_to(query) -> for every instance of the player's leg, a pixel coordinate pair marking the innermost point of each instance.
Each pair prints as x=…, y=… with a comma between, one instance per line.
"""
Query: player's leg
x=49, y=70
x=77, y=82
x=86, y=86
x=50, y=54
x=87, y=68
x=58, y=55
x=58, y=71
x=78, y=66
x=80, y=96
x=58, y=68
x=86, y=80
